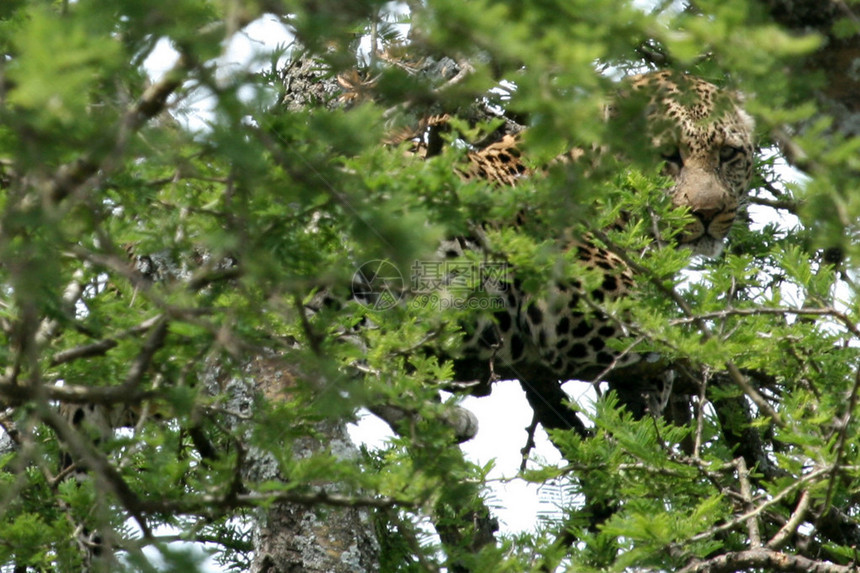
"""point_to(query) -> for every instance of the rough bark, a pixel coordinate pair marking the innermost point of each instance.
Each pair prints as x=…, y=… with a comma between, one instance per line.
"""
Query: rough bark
x=292, y=537
x=308, y=83
x=295, y=538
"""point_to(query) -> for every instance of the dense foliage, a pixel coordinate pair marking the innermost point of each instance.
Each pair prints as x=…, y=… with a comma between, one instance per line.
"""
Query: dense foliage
x=146, y=267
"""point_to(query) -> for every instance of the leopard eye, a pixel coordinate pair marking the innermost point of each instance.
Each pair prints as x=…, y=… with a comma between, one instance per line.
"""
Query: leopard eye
x=673, y=155
x=729, y=152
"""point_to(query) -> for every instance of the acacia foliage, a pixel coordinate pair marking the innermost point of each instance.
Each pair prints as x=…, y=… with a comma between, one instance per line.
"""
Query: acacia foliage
x=234, y=228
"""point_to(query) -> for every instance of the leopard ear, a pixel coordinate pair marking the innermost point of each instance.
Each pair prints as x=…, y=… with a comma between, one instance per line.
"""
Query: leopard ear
x=747, y=119
x=739, y=98
x=629, y=89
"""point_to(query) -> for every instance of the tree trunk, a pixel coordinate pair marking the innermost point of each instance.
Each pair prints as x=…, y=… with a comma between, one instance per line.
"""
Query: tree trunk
x=291, y=537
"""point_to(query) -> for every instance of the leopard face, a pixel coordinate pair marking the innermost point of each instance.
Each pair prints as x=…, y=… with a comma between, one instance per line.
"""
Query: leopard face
x=707, y=142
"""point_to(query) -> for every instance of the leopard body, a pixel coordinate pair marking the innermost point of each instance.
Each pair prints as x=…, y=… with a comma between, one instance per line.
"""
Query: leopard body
x=706, y=141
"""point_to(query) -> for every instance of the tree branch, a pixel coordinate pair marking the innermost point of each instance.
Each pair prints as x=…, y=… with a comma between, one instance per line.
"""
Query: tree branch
x=783, y=204
x=141, y=364
x=707, y=334
x=69, y=177
x=764, y=559
x=206, y=503
x=743, y=518
x=790, y=527
x=102, y=346
x=16, y=394
x=746, y=494
x=106, y=474
x=840, y=316
x=844, y=422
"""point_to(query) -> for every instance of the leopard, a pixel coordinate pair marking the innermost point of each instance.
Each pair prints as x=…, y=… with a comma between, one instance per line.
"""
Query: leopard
x=705, y=139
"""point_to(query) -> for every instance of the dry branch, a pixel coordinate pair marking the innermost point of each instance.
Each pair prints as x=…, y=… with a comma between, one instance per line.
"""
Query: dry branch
x=764, y=559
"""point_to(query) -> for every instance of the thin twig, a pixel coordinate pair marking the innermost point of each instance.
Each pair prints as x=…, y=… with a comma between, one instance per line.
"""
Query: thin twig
x=530, y=442
x=141, y=364
x=595, y=382
x=741, y=519
x=746, y=494
x=700, y=414
x=831, y=312
x=71, y=176
x=699, y=322
x=844, y=424
x=793, y=522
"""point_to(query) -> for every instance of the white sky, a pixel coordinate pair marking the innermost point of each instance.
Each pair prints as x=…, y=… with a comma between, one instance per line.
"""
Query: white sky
x=503, y=418
x=248, y=50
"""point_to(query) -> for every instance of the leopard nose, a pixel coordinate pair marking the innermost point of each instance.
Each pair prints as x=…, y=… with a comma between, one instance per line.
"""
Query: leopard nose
x=706, y=216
